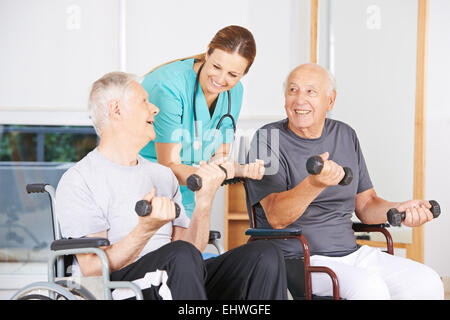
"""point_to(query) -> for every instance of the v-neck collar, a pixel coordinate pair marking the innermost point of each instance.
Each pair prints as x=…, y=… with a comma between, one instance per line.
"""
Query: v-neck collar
x=202, y=109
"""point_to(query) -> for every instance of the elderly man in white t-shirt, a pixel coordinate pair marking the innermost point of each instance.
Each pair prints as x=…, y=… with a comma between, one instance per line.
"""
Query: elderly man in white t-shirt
x=161, y=253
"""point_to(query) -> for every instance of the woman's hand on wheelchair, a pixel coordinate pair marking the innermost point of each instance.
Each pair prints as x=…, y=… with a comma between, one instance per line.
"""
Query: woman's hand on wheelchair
x=254, y=170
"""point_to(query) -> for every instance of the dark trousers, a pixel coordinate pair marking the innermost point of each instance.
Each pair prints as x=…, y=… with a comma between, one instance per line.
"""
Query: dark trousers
x=254, y=271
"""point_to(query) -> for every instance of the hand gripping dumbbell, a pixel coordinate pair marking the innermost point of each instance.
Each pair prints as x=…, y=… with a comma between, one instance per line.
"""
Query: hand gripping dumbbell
x=194, y=181
x=396, y=217
x=314, y=165
x=144, y=208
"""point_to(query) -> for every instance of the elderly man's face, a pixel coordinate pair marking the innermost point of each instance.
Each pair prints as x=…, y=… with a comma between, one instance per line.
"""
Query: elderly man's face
x=139, y=113
x=307, y=101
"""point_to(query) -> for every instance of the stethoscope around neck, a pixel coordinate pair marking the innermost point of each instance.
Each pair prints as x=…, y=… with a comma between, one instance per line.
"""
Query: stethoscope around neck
x=197, y=143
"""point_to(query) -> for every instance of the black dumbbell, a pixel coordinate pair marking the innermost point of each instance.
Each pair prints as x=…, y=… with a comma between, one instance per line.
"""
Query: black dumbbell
x=144, y=208
x=194, y=181
x=314, y=165
x=396, y=217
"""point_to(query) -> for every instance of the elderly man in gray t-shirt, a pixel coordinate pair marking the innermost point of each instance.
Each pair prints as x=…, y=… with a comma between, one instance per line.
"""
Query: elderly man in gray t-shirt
x=289, y=197
x=158, y=252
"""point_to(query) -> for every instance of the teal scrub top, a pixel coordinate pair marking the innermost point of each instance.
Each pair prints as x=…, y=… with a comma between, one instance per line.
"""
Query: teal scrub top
x=171, y=89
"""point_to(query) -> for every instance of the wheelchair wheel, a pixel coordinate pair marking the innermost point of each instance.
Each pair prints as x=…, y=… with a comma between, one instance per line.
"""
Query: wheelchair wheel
x=54, y=292
x=34, y=297
x=76, y=289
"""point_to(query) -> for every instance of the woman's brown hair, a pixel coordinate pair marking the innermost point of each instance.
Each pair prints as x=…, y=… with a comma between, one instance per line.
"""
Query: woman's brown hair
x=232, y=39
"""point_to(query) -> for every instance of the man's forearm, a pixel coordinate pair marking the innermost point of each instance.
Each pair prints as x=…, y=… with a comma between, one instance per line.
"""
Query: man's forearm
x=128, y=249
x=119, y=254
x=198, y=232
x=375, y=211
x=371, y=209
x=284, y=208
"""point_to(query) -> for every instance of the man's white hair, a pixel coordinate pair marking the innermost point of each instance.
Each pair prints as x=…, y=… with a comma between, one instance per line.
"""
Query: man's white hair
x=112, y=86
x=331, y=79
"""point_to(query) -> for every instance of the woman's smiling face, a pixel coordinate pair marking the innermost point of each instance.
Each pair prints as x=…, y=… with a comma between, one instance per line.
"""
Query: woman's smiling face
x=222, y=71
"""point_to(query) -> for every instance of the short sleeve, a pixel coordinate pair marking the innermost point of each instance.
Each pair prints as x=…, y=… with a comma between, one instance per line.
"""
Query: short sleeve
x=183, y=220
x=78, y=213
x=364, y=182
x=168, y=122
x=275, y=176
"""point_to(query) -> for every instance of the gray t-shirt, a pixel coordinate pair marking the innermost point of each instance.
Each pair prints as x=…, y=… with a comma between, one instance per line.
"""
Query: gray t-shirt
x=98, y=195
x=326, y=223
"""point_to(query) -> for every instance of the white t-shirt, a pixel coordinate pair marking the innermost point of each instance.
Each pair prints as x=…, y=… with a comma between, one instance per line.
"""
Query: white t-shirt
x=99, y=195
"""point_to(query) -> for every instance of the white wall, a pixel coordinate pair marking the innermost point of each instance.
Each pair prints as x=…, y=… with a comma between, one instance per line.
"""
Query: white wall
x=379, y=75
x=437, y=239
x=160, y=31
x=57, y=48
x=52, y=51
x=372, y=54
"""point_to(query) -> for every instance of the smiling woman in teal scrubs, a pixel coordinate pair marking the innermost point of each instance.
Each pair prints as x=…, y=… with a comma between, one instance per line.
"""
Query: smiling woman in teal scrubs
x=214, y=77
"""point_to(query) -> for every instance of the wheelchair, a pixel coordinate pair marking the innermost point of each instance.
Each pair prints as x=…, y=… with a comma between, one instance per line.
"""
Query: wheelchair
x=60, y=284
x=299, y=270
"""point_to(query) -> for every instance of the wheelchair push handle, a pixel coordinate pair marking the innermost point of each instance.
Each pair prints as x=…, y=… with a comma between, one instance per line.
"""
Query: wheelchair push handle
x=36, y=187
x=144, y=208
x=314, y=165
x=396, y=217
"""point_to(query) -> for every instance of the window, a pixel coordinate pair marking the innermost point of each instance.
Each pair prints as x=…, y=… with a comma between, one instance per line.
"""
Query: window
x=34, y=154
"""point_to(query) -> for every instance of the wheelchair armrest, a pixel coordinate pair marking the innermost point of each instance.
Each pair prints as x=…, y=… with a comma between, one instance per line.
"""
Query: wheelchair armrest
x=297, y=233
x=214, y=237
x=273, y=232
x=361, y=227
x=78, y=243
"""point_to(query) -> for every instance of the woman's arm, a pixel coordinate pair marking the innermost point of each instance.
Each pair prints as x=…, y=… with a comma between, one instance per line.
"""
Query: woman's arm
x=254, y=170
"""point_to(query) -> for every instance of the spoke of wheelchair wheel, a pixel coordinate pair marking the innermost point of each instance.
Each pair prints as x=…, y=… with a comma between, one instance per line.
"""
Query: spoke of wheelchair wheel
x=43, y=294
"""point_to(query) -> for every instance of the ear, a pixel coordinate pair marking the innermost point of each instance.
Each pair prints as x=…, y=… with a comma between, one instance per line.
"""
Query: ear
x=114, y=109
x=331, y=100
